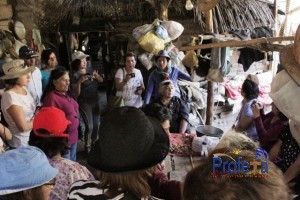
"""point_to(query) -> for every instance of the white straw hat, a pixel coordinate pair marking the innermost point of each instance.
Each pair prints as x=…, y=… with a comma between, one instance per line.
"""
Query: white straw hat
x=20, y=30
x=15, y=68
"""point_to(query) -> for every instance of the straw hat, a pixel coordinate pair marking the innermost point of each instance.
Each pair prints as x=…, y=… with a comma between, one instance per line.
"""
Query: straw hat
x=290, y=58
x=20, y=30
x=15, y=68
x=205, y=5
x=79, y=55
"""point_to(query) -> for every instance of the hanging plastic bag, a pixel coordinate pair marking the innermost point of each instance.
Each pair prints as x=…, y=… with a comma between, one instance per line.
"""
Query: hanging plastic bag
x=174, y=29
x=190, y=59
x=162, y=32
x=138, y=32
x=152, y=43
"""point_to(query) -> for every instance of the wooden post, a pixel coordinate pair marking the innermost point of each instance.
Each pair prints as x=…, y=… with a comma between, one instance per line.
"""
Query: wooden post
x=162, y=11
x=275, y=17
x=210, y=86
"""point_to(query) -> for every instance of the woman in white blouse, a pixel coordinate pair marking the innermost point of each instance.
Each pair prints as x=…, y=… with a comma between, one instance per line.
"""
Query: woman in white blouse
x=17, y=104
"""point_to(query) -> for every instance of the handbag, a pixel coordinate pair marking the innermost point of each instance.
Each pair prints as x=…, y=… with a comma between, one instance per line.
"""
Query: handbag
x=115, y=101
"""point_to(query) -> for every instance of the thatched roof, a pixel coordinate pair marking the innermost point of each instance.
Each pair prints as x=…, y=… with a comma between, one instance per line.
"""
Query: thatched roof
x=240, y=14
x=228, y=14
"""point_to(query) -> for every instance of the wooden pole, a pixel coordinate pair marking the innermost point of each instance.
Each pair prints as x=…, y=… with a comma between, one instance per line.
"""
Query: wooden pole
x=275, y=16
x=210, y=84
x=238, y=43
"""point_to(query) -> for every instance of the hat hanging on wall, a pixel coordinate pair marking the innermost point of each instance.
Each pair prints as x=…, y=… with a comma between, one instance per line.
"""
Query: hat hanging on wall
x=20, y=30
x=205, y=5
x=290, y=58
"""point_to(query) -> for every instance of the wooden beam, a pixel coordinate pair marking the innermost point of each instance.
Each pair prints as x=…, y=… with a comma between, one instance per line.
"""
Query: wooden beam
x=210, y=84
x=238, y=43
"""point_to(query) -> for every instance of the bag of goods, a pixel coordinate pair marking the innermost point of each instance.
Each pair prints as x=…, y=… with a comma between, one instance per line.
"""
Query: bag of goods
x=174, y=29
x=176, y=57
x=190, y=59
x=138, y=32
x=146, y=60
x=162, y=32
x=152, y=43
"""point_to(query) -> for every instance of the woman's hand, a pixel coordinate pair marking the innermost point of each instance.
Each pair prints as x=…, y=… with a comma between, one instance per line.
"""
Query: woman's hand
x=84, y=78
x=96, y=76
x=139, y=90
x=256, y=109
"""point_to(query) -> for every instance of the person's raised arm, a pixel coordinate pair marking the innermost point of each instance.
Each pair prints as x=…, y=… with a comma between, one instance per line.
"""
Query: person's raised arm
x=121, y=80
x=76, y=87
x=243, y=123
x=17, y=114
x=183, y=75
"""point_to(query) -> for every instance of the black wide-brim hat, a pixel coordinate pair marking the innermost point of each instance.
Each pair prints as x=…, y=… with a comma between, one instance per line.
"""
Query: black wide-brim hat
x=128, y=141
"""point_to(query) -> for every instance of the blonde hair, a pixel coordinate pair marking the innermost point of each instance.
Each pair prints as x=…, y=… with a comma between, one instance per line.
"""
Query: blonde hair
x=135, y=182
x=236, y=140
x=200, y=185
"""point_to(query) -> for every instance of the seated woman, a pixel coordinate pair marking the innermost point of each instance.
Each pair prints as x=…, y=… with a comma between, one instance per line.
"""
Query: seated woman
x=268, y=126
x=177, y=108
x=245, y=122
x=49, y=135
x=161, y=73
x=161, y=186
x=201, y=185
x=25, y=174
x=123, y=169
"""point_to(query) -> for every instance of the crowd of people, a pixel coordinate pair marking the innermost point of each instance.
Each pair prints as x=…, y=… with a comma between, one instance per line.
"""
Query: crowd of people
x=126, y=148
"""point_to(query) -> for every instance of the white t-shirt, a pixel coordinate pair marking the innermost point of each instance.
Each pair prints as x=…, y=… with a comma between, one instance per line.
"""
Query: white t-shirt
x=10, y=98
x=35, y=85
x=128, y=93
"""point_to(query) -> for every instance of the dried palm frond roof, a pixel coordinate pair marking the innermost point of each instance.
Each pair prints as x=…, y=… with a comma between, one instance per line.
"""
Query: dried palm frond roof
x=228, y=14
x=239, y=14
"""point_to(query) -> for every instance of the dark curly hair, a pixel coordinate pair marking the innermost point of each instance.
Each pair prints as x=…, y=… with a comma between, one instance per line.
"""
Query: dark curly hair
x=250, y=89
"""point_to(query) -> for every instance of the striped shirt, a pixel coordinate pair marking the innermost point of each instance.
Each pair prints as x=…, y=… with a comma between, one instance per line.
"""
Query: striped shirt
x=89, y=190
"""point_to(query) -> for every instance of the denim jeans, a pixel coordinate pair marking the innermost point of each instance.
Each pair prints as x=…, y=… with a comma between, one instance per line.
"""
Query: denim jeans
x=72, y=153
x=91, y=112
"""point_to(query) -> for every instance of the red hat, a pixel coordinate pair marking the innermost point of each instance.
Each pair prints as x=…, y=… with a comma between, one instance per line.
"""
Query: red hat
x=51, y=119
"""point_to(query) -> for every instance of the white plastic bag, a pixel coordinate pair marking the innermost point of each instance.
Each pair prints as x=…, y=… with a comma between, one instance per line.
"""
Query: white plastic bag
x=174, y=29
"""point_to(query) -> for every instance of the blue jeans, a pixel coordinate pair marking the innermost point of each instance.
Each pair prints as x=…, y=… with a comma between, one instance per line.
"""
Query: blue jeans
x=72, y=153
x=91, y=112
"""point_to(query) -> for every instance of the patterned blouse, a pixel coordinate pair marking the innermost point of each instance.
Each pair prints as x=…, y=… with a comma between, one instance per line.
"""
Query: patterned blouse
x=68, y=173
x=289, y=149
